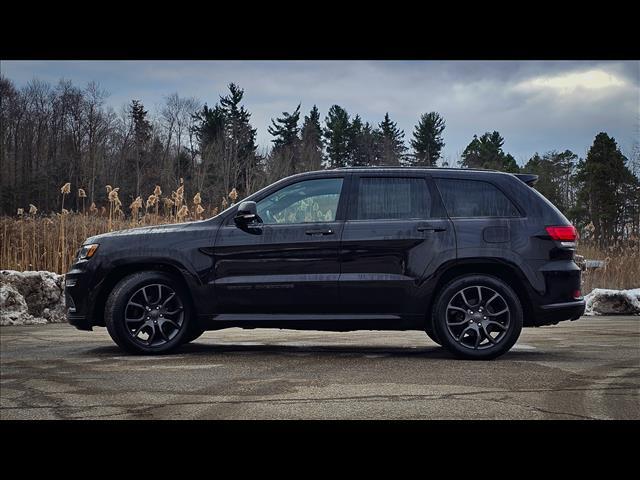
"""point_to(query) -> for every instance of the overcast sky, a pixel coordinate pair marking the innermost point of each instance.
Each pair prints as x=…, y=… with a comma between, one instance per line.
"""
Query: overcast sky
x=536, y=106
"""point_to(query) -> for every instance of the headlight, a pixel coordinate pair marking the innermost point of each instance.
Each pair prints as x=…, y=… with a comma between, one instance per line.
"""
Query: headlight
x=87, y=251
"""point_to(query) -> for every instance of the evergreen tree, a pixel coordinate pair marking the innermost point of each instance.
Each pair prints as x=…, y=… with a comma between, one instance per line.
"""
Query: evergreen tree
x=427, y=140
x=362, y=144
x=604, y=183
x=227, y=146
x=141, y=134
x=337, y=134
x=486, y=152
x=283, y=160
x=554, y=170
x=311, y=142
x=241, y=141
x=209, y=126
x=391, y=142
x=285, y=129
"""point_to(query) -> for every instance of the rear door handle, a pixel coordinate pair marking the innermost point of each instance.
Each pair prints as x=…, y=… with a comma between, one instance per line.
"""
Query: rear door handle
x=431, y=229
x=319, y=231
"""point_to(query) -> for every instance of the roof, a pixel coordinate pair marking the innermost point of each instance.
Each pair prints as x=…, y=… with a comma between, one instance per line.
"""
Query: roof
x=394, y=168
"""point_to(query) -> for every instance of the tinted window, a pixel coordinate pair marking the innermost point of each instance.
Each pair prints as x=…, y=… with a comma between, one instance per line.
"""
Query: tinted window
x=392, y=198
x=472, y=198
x=303, y=202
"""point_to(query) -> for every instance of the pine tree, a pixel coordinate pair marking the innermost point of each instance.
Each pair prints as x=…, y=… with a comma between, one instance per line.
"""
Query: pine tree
x=391, y=142
x=241, y=146
x=141, y=134
x=209, y=126
x=362, y=143
x=427, y=142
x=337, y=134
x=285, y=129
x=311, y=142
x=486, y=152
x=227, y=146
x=283, y=160
x=604, y=183
x=554, y=170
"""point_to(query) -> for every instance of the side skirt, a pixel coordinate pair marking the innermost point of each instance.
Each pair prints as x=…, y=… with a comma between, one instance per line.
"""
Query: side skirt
x=324, y=322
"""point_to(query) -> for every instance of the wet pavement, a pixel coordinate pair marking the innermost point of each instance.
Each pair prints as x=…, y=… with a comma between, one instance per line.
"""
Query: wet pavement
x=587, y=369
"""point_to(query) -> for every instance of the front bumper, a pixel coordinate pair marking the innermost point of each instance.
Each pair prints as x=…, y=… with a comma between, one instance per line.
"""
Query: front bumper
x=80, y=292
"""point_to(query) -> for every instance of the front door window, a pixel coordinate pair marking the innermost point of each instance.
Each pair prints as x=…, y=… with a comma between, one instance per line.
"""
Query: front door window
x=310, y=201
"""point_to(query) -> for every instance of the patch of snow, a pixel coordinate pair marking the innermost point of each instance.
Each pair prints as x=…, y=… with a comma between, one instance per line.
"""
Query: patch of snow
x=602, y=301
x=32, y=297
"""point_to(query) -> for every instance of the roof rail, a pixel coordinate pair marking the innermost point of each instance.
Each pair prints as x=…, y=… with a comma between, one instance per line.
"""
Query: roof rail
x=409, y=167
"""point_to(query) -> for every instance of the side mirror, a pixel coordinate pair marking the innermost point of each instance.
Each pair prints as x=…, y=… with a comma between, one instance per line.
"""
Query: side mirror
x=247, y=212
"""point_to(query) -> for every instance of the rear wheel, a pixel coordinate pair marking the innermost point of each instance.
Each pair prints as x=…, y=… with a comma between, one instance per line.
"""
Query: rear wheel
x=477, y=317
x=432, y=335
x=194, y=334
x=147, y=313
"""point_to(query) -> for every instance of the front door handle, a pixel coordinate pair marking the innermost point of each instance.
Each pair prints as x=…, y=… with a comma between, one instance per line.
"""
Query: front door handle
x=431, y=229
x=319, y=231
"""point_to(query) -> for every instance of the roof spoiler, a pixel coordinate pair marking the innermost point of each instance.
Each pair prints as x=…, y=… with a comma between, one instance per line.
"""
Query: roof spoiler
x=528, y=178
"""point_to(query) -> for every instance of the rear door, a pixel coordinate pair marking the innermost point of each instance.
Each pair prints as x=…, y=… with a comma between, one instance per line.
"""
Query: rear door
x=396, y=230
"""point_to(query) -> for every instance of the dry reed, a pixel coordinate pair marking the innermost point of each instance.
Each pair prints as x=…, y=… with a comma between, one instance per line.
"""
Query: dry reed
x=32, y=241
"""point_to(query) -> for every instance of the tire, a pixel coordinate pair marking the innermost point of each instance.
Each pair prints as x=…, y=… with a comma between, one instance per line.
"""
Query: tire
x=477, y=317
x=193, y=335
x=432, y=335
x=148, y=304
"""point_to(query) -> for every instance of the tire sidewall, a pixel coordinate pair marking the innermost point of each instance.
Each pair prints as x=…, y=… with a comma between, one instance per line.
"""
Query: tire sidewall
x=117, y=302
x=439, y=317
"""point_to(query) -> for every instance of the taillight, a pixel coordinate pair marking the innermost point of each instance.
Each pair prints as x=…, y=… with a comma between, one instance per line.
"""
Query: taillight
x=565, y=233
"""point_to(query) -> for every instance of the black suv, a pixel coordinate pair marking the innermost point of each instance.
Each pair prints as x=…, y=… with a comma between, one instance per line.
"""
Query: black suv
x=469, y=256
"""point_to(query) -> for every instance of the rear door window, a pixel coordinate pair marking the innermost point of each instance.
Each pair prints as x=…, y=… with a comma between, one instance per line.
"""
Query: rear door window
x=474, y=198
x=391, y=198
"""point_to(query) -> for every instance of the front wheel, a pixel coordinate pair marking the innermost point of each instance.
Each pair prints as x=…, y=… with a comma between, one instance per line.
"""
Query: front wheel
x=477, y=317
x=147, y=313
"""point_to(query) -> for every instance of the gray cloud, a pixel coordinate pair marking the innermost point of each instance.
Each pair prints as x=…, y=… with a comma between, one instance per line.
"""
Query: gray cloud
x=513, y=97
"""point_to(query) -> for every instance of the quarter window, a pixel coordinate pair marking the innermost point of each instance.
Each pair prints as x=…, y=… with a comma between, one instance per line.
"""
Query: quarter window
x=381, y=198
x=309, y=201
x=472, y=198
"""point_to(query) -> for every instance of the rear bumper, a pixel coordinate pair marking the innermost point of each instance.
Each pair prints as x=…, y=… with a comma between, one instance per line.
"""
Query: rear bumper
x=558, y=312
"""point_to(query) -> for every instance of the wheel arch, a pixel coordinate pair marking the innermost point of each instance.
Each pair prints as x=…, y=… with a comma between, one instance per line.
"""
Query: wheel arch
x=121, y=271
x=493, y=267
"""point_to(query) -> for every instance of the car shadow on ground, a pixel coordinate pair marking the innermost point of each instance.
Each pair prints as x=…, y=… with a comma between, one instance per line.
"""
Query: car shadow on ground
x=207, y=349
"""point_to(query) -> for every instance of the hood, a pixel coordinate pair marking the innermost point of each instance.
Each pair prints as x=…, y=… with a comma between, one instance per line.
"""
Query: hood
x=136, y=233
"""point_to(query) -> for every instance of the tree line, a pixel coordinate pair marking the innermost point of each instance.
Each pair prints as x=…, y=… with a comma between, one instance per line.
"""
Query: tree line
x=54, y=134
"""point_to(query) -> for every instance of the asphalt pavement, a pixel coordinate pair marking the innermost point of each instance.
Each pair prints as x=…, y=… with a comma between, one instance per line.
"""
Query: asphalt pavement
x=587, y=369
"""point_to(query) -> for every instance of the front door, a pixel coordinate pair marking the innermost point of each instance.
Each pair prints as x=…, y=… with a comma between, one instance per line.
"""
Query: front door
x=288, y=261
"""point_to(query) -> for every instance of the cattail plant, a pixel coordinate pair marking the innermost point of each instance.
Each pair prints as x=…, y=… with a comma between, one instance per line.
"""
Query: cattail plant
x=182, y=213
x=168, y=206
x=65, y=190
x=233, y=195
x=114, y=203
x=135, y=206
x=197, y=200
x=82, y=194
x=157, y=192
